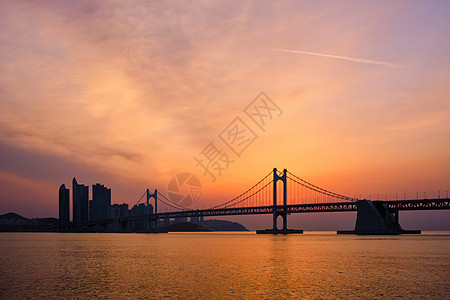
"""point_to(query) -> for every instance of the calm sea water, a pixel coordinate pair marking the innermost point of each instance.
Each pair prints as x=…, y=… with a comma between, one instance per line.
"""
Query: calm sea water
x=224, y=266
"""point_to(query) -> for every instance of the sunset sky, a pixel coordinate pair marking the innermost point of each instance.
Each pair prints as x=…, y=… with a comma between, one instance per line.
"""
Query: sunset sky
x=127, y=93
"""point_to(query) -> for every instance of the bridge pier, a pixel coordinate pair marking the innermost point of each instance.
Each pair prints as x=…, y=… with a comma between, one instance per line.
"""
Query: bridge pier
x=375, y=218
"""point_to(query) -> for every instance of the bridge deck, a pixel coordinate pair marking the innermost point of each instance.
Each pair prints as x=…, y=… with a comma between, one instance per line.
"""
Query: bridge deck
x=426, y=204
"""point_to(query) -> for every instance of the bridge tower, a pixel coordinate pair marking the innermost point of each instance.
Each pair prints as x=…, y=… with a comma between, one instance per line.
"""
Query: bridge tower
x=276, y=212
x=279, y=210
x=147, y=219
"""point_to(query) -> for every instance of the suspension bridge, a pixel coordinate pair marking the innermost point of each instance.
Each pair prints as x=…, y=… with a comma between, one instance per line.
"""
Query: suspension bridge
x=283, y=193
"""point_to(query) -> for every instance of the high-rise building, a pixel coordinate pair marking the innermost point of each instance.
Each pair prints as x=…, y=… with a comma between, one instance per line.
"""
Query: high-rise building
x=117, y=211
x=140, y=210
x=101, y=200
x=64, y=207
x=80, y=201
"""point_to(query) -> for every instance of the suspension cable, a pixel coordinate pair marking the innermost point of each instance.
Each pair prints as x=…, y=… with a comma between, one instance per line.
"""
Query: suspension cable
x=172, y=204
x=245, y=197
x=322, y=191
x=141, y=198
x=318, y=189
x=237, y=197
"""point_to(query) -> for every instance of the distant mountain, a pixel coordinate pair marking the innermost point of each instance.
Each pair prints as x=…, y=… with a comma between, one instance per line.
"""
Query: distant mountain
x=222, y=225
x=12, y=222
x=207, y=225
x=12, y=215
x=183, y=227
x=15, y=222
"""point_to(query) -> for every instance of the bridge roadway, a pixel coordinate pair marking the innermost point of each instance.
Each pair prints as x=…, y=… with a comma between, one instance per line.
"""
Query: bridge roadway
x=425, y=204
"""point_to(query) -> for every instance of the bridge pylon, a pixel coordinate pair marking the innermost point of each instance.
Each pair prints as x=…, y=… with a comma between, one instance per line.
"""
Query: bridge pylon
x=148, y=222
x=279, y=210
x=276, y=212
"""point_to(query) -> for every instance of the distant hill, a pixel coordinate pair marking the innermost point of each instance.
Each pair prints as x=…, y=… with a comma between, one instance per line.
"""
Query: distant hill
x=12, y=222
x=15, y=222
x=183, y=227
x=207, y=225
x=222, y=225
x=12, y=215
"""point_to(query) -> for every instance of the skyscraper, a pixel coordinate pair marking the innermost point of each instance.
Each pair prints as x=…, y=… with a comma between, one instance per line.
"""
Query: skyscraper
x=80, y=201
x=64, y=207
x=101, y=200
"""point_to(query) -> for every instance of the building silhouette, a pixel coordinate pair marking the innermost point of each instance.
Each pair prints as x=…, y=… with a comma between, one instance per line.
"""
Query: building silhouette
x=101, y=201
x=80, y=201
x=64, y=207
x=117, y=211
x=98, y=214
x=139, y=210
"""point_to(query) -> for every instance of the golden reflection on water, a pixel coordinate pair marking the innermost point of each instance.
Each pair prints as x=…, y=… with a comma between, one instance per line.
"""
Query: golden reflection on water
x=223, y=265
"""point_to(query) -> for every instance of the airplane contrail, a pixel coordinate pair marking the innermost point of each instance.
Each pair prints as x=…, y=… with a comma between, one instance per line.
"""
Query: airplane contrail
x=358, y=60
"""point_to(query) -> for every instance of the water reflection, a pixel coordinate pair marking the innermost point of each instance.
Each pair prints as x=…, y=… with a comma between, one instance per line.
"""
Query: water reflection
x=223, y=265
